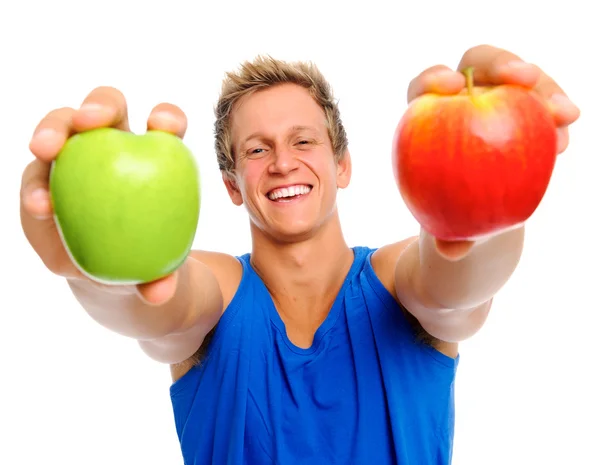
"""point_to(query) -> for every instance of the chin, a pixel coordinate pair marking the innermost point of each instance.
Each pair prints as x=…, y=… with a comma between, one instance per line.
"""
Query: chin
x=295, y=221
x=288, y=233
x=292, y=233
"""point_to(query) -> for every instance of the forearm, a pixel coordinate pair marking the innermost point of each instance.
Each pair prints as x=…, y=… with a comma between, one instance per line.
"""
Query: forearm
x=451, y=299
x=122, y=310
x=473, y=280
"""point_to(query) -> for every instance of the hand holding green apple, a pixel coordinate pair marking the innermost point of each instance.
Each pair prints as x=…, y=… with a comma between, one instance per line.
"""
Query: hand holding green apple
x=126, y=205
x=110, y=187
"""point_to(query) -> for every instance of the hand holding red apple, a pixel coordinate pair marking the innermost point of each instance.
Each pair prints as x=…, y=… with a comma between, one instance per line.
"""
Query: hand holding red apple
x=474, y=153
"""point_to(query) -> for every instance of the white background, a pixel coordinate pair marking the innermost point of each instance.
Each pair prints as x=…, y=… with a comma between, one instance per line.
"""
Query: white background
x=71, y=392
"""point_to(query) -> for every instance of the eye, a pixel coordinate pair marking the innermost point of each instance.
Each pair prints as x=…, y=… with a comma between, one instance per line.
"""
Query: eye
x=254, y=152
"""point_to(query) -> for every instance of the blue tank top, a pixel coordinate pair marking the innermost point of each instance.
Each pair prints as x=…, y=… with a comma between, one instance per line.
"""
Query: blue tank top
x=364, y=393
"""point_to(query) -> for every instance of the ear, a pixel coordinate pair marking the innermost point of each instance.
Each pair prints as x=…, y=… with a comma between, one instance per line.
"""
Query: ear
x=344, y=170
x=232, y=188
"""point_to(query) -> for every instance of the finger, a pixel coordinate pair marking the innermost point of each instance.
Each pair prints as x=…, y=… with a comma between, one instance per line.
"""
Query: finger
x=495, y=66
x=35, y=197
x=160, y=291
x=51, y=133
x=453, y=250
x=562, y=141
x=103, y=107
x=438, y=79
x=564, y=111
x=37, y=222
x=169, y=118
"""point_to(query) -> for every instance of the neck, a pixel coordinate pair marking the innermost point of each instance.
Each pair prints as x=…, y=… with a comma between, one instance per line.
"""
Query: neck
x=311, y=268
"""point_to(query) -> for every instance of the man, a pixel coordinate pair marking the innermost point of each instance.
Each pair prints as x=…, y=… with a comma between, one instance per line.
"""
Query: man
x=304, y=350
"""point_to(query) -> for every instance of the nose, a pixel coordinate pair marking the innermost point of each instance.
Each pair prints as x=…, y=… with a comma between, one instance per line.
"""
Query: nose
x=283, y=162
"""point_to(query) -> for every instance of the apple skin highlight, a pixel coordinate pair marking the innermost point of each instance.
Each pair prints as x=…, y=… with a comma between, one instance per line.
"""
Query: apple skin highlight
x=476, y=163
x=126, y=206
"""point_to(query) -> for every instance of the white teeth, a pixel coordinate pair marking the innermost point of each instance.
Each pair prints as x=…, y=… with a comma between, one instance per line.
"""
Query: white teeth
x=290, y=191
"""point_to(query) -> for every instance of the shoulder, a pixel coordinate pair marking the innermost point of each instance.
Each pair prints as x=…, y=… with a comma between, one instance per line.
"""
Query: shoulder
x=227, y=269
x=384, y=262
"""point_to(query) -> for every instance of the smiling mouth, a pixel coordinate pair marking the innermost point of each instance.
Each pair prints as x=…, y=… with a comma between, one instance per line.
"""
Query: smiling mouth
x=286, y=194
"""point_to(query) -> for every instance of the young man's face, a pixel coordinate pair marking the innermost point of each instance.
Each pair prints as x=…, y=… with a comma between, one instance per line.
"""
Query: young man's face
x=286, y=173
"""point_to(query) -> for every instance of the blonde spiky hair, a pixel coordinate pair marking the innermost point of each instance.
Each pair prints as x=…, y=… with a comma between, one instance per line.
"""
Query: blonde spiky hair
x=265, y=72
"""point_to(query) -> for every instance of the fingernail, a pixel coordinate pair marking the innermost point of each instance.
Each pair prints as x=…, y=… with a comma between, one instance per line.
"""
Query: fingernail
x=445, y=74
x=563, y=102
x=39, y=203
x=39, y=194
x=46, y=136
x=518, y=65
x=97, y=109
x=164, y=118
x=92, y=107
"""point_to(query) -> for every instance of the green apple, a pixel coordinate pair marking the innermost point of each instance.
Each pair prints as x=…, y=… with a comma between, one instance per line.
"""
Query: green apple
x=126, y=205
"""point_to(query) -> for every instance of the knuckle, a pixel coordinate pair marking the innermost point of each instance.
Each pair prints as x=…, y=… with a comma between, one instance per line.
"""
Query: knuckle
x=546, y=87
x=166, y=107
x=424, y=80
x=436, y=69
x=113, y=108
x=106, y=95
x=56, y=119
x=52, y=262
x=56, y=265
x=474, y=54
x=108, y=91
x=32, y=175
x=425, y=76
x=60, y=113
x=168, y=117
x=30, y=168
x=477, y=49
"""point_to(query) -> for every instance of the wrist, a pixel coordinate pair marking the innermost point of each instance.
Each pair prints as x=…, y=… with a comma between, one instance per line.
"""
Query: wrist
x=475, y=277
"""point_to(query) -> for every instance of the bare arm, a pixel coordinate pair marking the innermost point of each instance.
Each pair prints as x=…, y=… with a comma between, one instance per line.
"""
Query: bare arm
x=451, y=299
x=169, y=317
x=169, y=332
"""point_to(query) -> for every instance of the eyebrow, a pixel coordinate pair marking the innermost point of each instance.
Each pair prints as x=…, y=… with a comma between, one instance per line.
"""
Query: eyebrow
x=293, y=129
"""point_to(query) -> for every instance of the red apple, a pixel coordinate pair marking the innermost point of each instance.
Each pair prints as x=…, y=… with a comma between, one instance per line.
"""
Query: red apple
x=475, y=163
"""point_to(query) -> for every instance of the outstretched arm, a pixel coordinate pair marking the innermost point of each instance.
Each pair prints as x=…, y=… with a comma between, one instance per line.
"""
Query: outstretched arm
x=170, y=316
x=449, y=287
x=451, y=298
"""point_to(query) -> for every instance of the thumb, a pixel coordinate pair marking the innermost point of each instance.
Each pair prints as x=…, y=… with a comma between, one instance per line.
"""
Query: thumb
x=453, y=250
x=158, y=292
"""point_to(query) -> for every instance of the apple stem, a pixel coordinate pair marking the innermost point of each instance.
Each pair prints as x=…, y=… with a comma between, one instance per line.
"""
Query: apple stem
x=468, y=72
